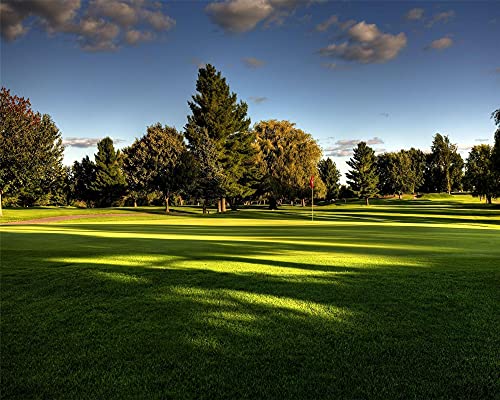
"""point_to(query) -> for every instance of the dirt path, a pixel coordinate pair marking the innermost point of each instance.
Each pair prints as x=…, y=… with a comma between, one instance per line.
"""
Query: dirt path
x=68, y=218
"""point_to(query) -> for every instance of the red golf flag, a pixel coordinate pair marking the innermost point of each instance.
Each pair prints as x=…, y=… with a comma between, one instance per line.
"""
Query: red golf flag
x=311, y=182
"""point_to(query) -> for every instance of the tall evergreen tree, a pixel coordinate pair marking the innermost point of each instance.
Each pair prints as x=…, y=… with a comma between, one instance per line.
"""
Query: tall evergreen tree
x=110, y=183
x=330, y=176
x=363, y=177
x=219, y=119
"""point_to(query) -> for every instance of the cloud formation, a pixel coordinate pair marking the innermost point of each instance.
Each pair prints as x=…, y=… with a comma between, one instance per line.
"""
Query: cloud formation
x=384, y=114
x=83, y=142
x=326, y=24
x=482, y=140
x=366, y=44
x=443, y=17
x=252, y=62
x=344, y=148
x=97, y=25
x=415, y=14
x=440, y=44
x=237, y=16
x=258, y=99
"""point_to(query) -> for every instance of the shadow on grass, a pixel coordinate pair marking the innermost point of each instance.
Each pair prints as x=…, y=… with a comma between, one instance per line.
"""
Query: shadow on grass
x=186, y=317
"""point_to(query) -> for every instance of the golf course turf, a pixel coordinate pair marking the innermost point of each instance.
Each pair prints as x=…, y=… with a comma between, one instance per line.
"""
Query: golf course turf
x=399, y=300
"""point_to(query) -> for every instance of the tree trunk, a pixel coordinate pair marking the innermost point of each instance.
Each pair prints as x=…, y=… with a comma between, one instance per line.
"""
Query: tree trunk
x=204, y=206
x=223, y=205
x=135, y=203
x=399, y=194
x=1, y=209
x=367, y=201
x=303, y=202
x=488, y=198
x=273, y=205
x=167, y=205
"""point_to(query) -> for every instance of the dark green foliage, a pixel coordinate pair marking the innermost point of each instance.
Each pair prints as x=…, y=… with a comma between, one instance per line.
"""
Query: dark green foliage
x=418, y=162
x=495, y=161
x=386, y=184
x=219, y=126
x=330, y=176
x=363, y=177
x=479, y=177
x=157, y=162
x=445, y=169
x=83, y=175
x=109, y=185
x=31, y=152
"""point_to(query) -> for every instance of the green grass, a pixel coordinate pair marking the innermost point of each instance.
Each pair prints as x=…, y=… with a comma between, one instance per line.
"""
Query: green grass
x=399, y=300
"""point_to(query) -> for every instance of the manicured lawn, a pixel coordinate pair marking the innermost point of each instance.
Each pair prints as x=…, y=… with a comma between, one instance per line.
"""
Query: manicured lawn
x=399, y=300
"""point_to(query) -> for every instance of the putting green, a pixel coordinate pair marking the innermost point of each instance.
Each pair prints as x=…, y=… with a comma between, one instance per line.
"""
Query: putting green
x=397, y=300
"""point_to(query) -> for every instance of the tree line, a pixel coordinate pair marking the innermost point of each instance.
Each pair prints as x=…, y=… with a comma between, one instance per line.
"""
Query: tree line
x=219, y=159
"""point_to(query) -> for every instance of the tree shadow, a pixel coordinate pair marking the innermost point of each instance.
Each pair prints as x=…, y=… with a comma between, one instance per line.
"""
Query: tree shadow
x=204, y=312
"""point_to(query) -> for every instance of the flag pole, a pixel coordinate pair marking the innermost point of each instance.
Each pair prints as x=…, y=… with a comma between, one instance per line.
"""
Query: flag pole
x=312, y=204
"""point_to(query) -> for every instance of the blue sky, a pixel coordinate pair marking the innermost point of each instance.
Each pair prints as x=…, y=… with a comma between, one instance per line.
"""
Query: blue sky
x=390, y=73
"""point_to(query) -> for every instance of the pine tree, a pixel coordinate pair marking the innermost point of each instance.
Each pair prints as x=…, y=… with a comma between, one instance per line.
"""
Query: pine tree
x=363, y=177
x=330, y=176
x=109, y=184
x=495, y=156
x=217, y=118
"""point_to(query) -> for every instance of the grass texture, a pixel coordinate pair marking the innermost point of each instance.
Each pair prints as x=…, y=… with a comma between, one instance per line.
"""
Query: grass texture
x=399, y=300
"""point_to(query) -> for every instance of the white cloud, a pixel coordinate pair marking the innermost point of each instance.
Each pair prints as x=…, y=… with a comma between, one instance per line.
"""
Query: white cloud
x=366, y=44
x=97, y=25
x=252, y=62
x=415, y=14
x=237, y=16
x=258, y=99
x=443, y=17
x=440, y=44
x=83, y=142
x=344, y=148
x=326, y=24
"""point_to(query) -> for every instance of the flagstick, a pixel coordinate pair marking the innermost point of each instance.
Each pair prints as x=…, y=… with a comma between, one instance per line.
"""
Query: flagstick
x=312, y=204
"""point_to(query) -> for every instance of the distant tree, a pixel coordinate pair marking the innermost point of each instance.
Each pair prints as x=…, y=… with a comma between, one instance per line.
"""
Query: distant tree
x=166, y=148
x=446, y=165
x=155, y=163
x=216, y=117
x=495, y=164
x=109, y=184
x=82, y=178
x=30, y=151
x=495, y=156
x=137, y=169
x=384, y=166
x=287, y=158
x=479, y=177
x=330, y=176
x=418, y=162
x=346, y=192
x=363, y=177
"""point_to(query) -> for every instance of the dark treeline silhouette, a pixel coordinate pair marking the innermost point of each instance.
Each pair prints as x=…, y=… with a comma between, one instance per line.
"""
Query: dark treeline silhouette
x=218, y=159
